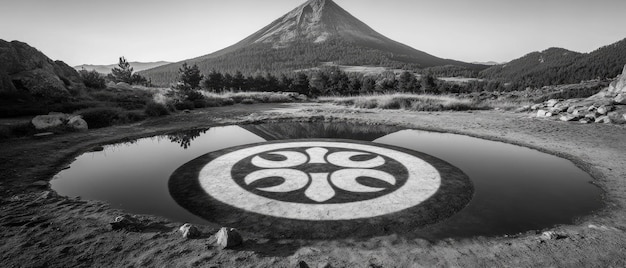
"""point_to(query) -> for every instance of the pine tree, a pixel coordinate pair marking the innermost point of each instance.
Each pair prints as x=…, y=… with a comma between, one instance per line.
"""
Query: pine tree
x=122, y=73
x=189, y=77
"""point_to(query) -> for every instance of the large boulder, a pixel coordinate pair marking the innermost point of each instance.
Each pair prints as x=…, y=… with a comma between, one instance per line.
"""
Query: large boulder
x=24, y=69
x=620, y=99
x=78, y=123
x=228, y=238
x=618, y=86
x=48, y=121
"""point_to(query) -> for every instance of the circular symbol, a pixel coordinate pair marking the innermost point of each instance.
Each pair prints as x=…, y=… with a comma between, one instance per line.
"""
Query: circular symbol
x=309, y=178
x=320, y=188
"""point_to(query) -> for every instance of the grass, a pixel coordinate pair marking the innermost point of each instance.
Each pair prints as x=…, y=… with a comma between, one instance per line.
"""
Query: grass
x=412, y=102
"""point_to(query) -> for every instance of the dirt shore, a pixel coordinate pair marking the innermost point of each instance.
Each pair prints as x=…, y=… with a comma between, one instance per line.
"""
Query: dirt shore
x=42, y=229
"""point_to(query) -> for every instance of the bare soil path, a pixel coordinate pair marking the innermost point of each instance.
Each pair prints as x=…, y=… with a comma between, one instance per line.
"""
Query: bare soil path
x=41, y=229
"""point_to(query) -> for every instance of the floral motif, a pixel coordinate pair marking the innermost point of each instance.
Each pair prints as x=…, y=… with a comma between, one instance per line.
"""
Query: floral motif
x=318, y=185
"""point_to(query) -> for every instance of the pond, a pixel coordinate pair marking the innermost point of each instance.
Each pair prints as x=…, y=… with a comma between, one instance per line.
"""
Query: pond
x=331, y=180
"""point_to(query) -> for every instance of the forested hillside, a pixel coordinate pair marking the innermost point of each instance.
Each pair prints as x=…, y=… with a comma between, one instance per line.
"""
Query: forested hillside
x=560, y=66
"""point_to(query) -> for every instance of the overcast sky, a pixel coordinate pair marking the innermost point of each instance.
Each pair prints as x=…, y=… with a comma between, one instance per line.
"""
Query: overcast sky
x=100, y=31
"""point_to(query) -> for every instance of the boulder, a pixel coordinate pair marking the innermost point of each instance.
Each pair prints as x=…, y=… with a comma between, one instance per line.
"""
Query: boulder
x=603, y=110
x=25, y=69
x=228, y=238
x=585, y=121
x=590, y=116
x=624, y=115
x=189, y=231
x=78, y=123
x=49, y=121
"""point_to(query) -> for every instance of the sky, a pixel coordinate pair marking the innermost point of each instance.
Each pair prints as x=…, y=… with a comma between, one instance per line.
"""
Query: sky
x=100, y=31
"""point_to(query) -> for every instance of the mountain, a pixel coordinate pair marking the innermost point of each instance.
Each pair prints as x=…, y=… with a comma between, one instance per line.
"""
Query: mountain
x=106, y=69
x=317, y=31
x=560, y=66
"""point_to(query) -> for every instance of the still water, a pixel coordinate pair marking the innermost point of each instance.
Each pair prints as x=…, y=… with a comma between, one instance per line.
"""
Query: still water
x=515, y=189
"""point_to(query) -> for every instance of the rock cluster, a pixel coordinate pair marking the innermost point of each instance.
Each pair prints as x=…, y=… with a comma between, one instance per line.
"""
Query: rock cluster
x=571, y=111
x=24, y=69
x=59, y=120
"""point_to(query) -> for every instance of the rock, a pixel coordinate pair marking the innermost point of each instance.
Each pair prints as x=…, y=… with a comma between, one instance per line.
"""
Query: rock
x=552, y=102
x=624, y=115
x=48, y=121
x=551, y=235
x=584, y=121
x=618, y=86
x=579, y=112
x=603, y=119
x=124, y=222
x=25, y=69
x=189, y=231
x=522, y=109
x=228, y=238
x=536, y=106
x=78, y=123
x=569, y=117
x=97, y=149
x=590, y=116
x=543, y=114
x=603, y=110
x=620, y=99
x=592, y=108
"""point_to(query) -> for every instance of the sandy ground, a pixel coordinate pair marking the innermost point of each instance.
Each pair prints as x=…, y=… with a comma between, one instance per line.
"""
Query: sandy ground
x=41, y=229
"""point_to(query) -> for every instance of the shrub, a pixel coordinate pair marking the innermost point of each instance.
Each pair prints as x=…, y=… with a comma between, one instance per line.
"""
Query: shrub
x=92, y=79
x=156, y=109
x=184, y=105
x=247, y=101
x=100, y=117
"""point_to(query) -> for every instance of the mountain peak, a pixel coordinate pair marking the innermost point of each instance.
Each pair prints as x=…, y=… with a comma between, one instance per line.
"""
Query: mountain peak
x=315, y=21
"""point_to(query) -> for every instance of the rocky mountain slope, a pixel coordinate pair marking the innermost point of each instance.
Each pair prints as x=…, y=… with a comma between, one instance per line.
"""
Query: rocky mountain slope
x=28, y=73
x=316, y=32
x=106, y=69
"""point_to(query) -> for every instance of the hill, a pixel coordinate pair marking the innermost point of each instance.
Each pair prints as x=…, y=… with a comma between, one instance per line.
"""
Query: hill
x=560, y=66
x=316, y=32
x=106, y=69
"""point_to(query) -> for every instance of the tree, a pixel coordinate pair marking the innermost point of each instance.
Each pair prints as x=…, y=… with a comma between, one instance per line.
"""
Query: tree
x=429, y=84
x=92, y=79
x=301, y=83
x=407, y=82
x=190, y=77
x=123, y=72
x=214, y=81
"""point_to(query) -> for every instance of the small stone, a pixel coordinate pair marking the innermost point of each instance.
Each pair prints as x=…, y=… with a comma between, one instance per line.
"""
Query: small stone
x=620, y=99
x=123, y=222
x=543, y=113
x=552, y=102
x=591, y=116
x=624, y=115
x=592, y=108
x=228, y=238
x=551, y=235
x=522, y=109
x=603, y=110
x=568, y=118
x=189, y=231
x=603, y=119
x=580, y=111
x=537, y=106
x=584, y=121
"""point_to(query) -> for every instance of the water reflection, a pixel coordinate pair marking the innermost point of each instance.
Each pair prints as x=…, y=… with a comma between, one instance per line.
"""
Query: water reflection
x=515, y=188
x=186, y=137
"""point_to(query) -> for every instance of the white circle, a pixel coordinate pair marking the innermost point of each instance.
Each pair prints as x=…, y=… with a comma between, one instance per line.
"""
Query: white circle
x=423, y=181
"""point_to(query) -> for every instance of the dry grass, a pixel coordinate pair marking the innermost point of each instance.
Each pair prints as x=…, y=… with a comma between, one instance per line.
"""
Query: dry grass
x=411, y=102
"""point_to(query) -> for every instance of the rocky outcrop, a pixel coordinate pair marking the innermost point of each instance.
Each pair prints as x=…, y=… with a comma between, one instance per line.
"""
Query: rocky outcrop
x=618, y=86
x=24, y=69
